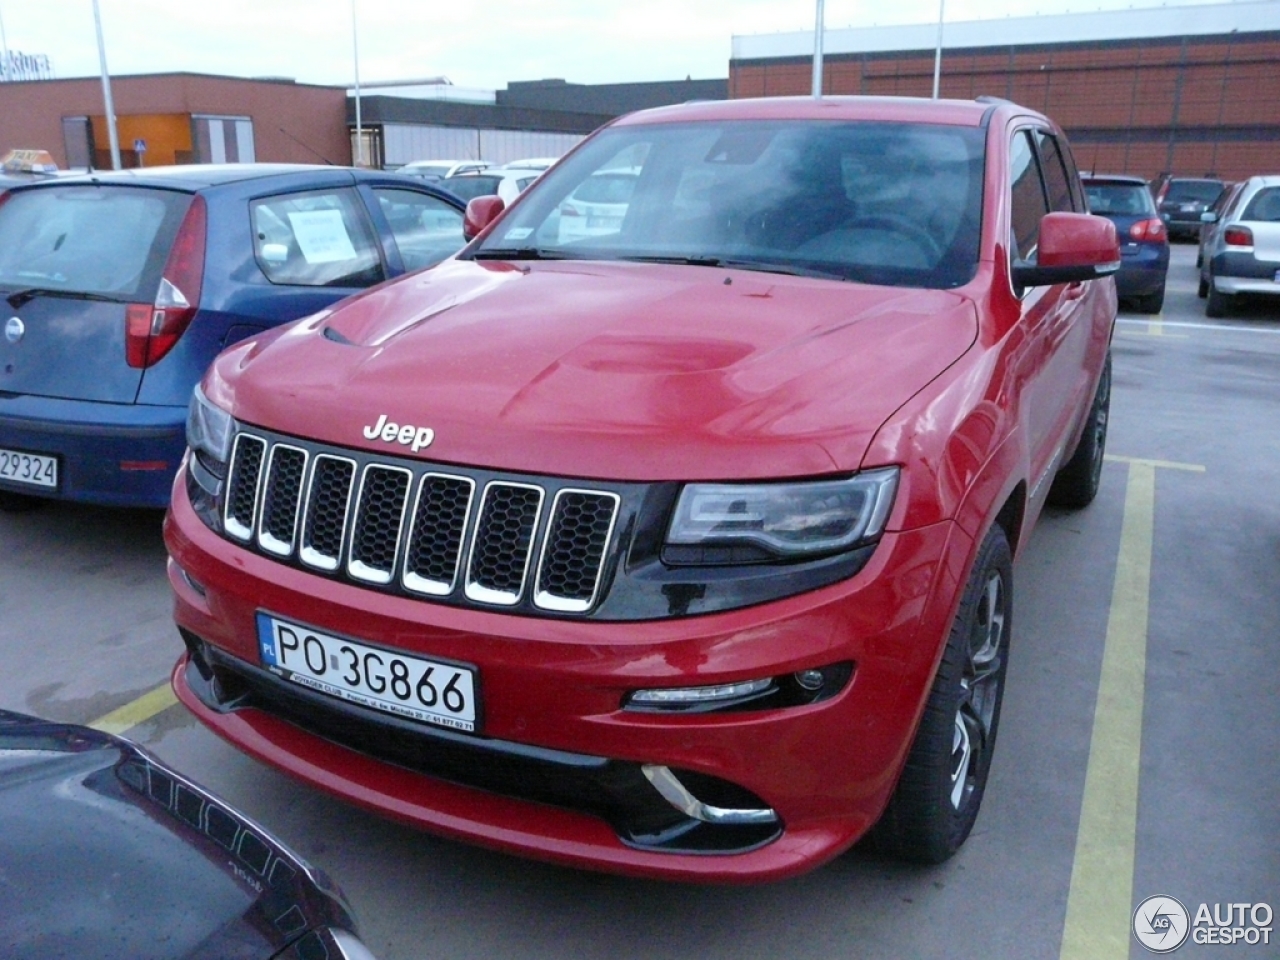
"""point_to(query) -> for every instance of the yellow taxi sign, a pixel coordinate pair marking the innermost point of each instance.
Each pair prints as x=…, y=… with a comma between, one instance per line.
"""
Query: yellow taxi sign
x=28, y=161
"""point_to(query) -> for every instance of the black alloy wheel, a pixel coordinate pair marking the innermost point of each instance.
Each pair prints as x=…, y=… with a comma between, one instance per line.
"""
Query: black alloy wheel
x=936, y=801
x=1077, y=481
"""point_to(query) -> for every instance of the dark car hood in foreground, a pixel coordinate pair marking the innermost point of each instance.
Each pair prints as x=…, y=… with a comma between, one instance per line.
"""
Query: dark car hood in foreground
x=619, y=370
x=106, y=853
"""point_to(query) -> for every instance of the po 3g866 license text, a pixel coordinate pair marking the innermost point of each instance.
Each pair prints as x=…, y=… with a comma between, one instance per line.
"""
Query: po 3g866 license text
x=426, y=690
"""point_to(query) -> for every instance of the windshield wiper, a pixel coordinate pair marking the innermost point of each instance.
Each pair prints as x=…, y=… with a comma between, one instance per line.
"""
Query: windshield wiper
x=19, y=297
x=732, y=263
x=520, y=253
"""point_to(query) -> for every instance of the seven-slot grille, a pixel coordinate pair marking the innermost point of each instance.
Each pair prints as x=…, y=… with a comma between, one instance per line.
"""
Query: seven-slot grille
x=432, y=533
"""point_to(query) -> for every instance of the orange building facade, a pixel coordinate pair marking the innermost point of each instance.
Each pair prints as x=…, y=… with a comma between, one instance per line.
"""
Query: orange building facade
x=176, y=118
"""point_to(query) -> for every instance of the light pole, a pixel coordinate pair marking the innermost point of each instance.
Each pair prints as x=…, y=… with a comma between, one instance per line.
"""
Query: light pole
x=937, y=53
x=355, y=53
x=817, y=55
x=106, y=91
x=4, y=51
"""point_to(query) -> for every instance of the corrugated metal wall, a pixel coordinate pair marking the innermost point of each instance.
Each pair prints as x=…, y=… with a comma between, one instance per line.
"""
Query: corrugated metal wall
x=405, y=142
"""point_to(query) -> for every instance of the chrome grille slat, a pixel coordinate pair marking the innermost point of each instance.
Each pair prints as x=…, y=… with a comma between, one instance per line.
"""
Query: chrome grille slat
x=573, y=550
x=503, y=542
x=281, y=499
x=242, y=486
x=462, y=536
x=379, y=519
x=439, y=526
x=324, y=524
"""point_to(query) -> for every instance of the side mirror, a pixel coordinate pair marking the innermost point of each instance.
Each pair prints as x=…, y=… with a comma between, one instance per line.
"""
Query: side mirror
x=481, y=212
x=1208, y=217
x=1073, y=247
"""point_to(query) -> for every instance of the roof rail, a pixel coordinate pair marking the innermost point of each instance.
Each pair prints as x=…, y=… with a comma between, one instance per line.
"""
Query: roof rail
x=987, y=98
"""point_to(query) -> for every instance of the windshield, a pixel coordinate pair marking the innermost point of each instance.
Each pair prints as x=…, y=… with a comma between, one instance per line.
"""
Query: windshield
x=88, y=239
x=1198, y=191
x=1119, y=199
x=885, y=203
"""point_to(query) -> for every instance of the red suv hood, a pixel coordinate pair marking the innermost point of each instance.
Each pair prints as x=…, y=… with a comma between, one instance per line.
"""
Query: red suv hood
x=620, y=371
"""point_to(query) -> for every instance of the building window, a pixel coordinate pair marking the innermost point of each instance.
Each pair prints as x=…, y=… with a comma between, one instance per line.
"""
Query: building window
x=222, y=139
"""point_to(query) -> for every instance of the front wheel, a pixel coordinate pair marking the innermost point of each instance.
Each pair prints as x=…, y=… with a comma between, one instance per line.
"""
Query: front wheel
x=936, y=801
x=1076, y=484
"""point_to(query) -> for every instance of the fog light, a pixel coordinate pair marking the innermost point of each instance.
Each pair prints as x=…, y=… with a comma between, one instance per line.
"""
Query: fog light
x=692, y=696
x=810, y=679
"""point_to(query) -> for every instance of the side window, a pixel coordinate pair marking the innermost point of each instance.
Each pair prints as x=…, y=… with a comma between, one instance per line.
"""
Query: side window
x=315, y=239
x=426, y=229
x=1058, y=177
x=1028, y=207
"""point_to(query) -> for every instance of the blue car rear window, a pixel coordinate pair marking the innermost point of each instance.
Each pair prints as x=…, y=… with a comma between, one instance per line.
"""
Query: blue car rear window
x=89, y=239
x=1119, y=199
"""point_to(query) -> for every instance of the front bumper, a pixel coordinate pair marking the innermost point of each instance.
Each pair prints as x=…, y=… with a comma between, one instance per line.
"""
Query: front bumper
x=120, y=455
x=556, y=769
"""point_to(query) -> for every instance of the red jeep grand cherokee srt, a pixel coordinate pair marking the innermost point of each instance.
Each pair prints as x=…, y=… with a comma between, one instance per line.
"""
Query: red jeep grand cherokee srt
x=677, y=544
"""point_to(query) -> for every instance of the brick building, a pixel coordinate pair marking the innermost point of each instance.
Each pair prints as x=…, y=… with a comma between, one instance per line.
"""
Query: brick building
x=1185, y=90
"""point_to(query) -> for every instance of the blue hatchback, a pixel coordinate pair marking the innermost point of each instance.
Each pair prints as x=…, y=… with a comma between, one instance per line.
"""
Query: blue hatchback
x=120, y=288
x=1144, y=239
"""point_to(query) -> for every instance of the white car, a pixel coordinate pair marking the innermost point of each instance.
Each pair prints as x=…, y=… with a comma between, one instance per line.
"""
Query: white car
x=439, y=169
x=504, y=182
x=597, y=206
x=531, y=163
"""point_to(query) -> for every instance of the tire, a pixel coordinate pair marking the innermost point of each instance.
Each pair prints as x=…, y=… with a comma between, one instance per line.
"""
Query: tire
x=1202, y=291
x=18, y=502
x=1218, y=304
x=936, y=801
x=1076, y=483
x=1152, y=302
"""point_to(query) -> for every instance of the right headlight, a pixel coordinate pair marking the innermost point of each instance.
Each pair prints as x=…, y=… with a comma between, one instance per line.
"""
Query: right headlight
x=209, y=437
x=792, y=520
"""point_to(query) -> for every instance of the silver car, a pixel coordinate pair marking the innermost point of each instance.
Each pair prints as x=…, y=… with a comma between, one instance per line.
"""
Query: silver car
x=1243, y=255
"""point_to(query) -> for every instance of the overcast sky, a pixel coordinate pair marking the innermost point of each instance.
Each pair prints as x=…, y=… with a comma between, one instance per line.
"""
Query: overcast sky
x=475, y=43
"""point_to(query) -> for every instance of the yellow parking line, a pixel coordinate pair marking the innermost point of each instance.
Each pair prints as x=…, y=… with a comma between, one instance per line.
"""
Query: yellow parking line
x=1098, y=920
x=1097, y=925
x=1160, y=464
x=136, y=712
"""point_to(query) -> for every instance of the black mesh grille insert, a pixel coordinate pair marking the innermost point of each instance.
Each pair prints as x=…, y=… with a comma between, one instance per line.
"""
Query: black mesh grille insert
x=439, y=525
x=242, y=491
x=453, y=534
x=576, y=543
x=327, y=508
x=280, y=495
x=503, y=538
x=378, y=518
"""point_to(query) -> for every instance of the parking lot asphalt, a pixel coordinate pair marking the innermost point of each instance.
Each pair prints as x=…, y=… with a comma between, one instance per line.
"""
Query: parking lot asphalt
x=1139, y=750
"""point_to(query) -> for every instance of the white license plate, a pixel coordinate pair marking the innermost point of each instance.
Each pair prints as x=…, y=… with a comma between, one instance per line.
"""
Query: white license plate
x=413, y=687
x=29, y=469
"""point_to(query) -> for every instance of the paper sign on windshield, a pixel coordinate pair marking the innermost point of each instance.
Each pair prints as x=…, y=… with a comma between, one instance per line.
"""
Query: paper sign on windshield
x=322, y=236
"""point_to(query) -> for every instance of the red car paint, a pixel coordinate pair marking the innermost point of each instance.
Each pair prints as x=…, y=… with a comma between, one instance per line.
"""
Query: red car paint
x=660, y=373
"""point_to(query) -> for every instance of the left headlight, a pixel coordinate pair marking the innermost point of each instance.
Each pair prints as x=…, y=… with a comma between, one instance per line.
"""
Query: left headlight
x=780, y=520
x=209, y=437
